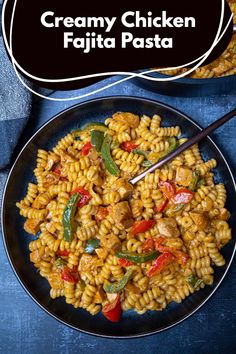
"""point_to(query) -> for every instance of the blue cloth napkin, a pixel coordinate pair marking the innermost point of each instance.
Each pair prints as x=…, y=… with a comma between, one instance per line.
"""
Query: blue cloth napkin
x=15, y=106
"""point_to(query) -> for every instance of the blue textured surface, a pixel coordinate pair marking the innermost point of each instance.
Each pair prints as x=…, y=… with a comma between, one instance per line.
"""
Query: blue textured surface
x=25, y=328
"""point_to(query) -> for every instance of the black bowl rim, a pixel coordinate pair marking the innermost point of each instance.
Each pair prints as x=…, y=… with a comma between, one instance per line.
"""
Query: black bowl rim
x=187, y=80
x=21, y=281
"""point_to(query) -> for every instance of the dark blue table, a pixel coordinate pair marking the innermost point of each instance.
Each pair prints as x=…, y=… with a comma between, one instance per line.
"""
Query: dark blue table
x=25, y=328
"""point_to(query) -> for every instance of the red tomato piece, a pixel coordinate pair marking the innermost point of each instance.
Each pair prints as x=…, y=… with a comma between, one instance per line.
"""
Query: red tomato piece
x=160, y=208
x=128, y=146
x=85, y=196
x=167, y=188
x=142, y=226
x=124, y=262
x=160, y=263
x=182, y=196
x=86, y=148
x=102, y=213
x=64, y=253
x=113, y=311
x=148, y=245
x=70, y=275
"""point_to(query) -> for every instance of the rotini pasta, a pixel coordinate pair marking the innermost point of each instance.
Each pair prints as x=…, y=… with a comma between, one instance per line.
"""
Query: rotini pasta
x=104, y=244
x=223, y=66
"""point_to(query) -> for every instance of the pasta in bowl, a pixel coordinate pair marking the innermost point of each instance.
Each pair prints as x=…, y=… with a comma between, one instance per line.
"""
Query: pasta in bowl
x=108, y=246
x=17, y=240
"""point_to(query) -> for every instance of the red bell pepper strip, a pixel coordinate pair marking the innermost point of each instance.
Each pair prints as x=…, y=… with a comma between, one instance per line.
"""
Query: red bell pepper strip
x=124, y=262
x=158, y=242
x=128, y=146
x=160, y=208
x=168, y=189
x=102, y=213
x=142, y=226
x=64, y=253
x=148, y=245
x=113, y=311
x=86, y=148
x=180, y=256
x=70, y=275
x=182, y=196
x=160, y=263
x=57, y=170
x=85, y=196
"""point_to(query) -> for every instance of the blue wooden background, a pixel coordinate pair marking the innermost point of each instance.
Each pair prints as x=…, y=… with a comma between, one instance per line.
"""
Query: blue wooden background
x=25, y=328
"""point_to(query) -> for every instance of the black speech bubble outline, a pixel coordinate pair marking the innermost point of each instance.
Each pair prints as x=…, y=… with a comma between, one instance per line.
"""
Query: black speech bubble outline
x=78, y=83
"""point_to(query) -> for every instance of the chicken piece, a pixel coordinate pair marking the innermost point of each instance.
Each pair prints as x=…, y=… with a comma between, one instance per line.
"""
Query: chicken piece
x=200, y=219
x=101, y=252
x=55, y=280
x=51, y=179
x=184, y=176
x=35, y=256
x=122, y=215
x=101, y=213
x=32, y=226
x=168, y=227
x=51, y=227
x=88, y=262
x=223, y=215
x=124, y=188
x=65, y=157
x=111, y=297
x=111, y=242
x=127, y=118
x=53, y=159
x=100, y=296
x=132, y=288
x=36, y=203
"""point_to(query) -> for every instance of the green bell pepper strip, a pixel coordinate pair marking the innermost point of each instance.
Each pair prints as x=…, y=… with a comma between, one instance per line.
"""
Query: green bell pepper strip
x=194, y=281
x=60, y=263
x=68, y=216
x=174, y=209
x=91, y=245
x=201, y=182
x=194, y=182
x=141, y=152
x=138, y=258
x=116, y=287
x=106, y=156
x=174, y=143
x=81, y=285
x=146, y=162
x=90, y=127
x=96, y=126
x=97, y=138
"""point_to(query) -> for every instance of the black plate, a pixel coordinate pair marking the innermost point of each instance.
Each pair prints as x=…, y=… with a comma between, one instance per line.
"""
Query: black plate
x=188, y=87
x=16, y=240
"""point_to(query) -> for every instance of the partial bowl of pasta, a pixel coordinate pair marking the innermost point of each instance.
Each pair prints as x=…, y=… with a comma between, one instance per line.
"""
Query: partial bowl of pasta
x=217, y=77
x=103, y=256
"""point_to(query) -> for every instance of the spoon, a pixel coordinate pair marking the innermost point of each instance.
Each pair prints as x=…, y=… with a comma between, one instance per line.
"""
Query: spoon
x=195, y=139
